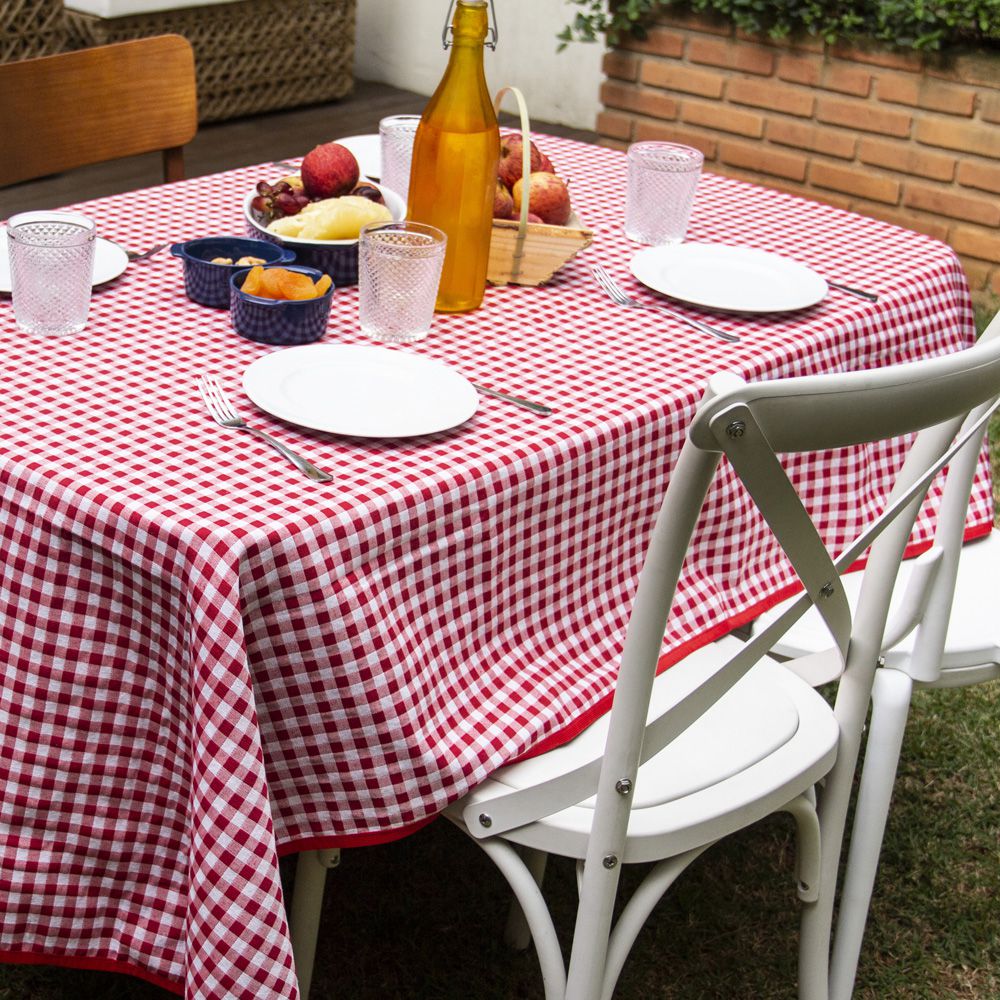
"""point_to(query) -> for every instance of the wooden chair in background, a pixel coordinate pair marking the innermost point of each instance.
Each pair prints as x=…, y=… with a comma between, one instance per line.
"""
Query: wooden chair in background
x=70, y=110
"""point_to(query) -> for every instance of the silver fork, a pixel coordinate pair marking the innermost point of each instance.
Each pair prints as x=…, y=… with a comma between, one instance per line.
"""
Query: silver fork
x=223, y=412
x=617, y=294
x=134, y=255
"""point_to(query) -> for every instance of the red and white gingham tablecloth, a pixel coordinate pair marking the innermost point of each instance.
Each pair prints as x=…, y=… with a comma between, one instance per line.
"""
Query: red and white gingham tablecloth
x=210, y=660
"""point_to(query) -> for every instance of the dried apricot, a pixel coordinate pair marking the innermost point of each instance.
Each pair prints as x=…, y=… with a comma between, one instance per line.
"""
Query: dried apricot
x=271, y=283
x=295, y=285
x=253, y=281
x=323, y=285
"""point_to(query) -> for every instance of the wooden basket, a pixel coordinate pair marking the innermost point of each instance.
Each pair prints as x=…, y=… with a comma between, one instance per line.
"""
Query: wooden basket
x=529, y=253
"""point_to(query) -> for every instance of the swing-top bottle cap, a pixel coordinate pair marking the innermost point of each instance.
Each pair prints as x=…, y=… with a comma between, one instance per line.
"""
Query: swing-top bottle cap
x=492, y=34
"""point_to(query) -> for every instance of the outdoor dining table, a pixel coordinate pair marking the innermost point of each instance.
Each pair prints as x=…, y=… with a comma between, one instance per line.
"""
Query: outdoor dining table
x=211, y=661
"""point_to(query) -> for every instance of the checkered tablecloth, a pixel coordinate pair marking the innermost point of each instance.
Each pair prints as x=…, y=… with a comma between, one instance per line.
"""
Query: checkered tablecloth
x=210, y=660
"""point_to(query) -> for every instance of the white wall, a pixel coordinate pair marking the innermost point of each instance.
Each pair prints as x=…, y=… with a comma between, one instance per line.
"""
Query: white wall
x=399, y=42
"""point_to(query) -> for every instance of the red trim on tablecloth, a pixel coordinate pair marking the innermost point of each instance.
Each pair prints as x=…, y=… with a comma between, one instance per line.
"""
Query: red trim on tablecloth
x=121, y=965
x=588, y=718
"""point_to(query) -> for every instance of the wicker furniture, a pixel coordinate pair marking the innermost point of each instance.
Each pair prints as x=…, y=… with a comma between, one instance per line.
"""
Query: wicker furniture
x=30, y=28
x=251, y=56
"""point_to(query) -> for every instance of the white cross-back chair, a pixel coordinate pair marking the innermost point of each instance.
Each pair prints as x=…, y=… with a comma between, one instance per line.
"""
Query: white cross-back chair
x=727, y=736
x=943, y=632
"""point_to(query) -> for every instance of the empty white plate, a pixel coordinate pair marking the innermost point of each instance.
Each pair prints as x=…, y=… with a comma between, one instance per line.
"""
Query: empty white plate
x=731, y=279
x=110, y=260
x=367, y=150
x=360, y=391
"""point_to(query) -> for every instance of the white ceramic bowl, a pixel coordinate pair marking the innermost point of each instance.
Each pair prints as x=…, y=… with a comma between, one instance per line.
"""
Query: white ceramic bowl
x=337, y=258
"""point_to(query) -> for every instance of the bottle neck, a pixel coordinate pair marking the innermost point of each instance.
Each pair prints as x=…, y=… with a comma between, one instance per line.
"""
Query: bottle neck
x=470, y=24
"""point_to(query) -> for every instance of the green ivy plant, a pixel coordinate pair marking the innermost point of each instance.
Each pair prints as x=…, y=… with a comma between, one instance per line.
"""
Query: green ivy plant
x=931, y=25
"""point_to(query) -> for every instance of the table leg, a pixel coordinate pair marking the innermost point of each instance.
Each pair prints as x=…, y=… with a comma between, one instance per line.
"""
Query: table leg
x=307, y=907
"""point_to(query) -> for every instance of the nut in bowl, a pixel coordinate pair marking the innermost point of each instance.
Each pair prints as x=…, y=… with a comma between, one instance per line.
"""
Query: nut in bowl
x=319, y=214
x=284, y=306
x=210, y=262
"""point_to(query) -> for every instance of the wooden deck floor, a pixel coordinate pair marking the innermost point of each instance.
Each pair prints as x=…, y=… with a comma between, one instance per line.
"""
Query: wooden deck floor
x=223, y=145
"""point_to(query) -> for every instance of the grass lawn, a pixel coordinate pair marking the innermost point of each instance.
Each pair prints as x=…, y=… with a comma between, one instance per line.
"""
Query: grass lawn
x=422, y=918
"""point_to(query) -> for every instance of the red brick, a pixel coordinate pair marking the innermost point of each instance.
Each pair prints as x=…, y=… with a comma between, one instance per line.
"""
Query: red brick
x=671, y=76
x=770, y=95
x=614, y=125
x=853, y=114
x=966, y=137
x=649, y=130
x=706, y=23
x=977, y=273
x=641, y=100
x=905, y=220
x=978, y=68
x=880, y=56
x=874, y=187
x=799, y=69
x=985, y=176
x=612, y=143
x=846, y=79
x=658, y=42
x=726, y=119
x=989, y=108
x=907, y=159
x=816, y=71
x=943, y=201
x=994, y=283
x=979, y=243
x=743, y=57
x=621, y=65
x=765, y=159
x=800, y=44
x=921, y=92
x=830, y=141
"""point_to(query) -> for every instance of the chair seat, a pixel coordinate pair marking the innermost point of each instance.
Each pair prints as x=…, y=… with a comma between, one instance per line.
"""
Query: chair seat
x=765, y=742
x=972, y=648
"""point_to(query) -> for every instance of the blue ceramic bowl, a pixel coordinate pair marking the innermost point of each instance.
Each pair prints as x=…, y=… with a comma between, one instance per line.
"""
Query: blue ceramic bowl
x=277, y=321
x=337, y=258
x=207, y=283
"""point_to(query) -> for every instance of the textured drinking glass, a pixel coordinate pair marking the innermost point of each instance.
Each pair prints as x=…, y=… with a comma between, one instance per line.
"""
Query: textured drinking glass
x=662, y=178
x=396, y=140
x=51, y=268
x=399, y=268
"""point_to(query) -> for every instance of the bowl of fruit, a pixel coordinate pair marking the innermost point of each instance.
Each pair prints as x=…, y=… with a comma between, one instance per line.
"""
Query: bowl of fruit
x=282, y=305
x=318, y=213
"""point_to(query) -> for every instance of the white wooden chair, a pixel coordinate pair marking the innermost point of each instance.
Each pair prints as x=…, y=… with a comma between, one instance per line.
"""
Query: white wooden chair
x=727, y=736
x=943, y=632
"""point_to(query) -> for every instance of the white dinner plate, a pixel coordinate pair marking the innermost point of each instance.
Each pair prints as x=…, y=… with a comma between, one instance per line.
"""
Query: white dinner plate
x=110, y=260
x=367, y=150
x=360, y=391
x=731, y=279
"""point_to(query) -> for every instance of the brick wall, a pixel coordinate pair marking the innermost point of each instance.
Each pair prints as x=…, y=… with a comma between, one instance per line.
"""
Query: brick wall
x=909, y=139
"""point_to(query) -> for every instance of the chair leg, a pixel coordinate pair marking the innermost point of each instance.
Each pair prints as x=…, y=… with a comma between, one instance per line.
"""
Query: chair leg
x=307, y=906
x=891, y=694
x=517, y=933
x=637, y=910
x=535, y=911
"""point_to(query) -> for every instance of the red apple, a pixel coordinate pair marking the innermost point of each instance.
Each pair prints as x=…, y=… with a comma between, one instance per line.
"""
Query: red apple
x=549, y=198
x=503, y=202
x=329, y=171
x=533, y=218
x=511, y=151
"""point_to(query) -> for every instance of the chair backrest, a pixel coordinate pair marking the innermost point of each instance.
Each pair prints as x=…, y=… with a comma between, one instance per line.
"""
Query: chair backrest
x=927, y=604
x=751, y=424
x=65, y=111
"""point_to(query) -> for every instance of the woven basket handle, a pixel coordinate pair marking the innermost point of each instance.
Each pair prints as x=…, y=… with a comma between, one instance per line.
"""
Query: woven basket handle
x=522, y=223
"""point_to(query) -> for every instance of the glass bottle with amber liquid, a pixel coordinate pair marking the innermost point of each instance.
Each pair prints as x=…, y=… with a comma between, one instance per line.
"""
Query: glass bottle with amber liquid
x=454, y=169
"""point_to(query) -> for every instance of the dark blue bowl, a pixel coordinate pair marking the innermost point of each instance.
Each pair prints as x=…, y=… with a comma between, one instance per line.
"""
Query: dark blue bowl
x=277, y=321
x=207, y=283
